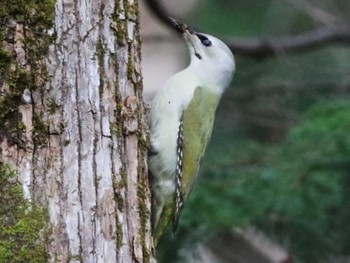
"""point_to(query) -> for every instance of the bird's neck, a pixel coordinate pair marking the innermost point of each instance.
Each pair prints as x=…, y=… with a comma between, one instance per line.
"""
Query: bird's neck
x=215, y=76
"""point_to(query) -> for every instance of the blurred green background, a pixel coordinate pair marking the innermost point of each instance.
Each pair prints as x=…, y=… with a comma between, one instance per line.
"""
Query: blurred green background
x=279, y=157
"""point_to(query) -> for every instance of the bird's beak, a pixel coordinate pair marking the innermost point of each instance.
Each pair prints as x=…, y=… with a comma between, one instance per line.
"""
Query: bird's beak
x=181, y=27
x=189, y=35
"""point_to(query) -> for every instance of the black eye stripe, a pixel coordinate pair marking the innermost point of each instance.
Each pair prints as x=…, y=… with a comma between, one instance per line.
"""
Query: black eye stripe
x=201, y=37
x=205, y=41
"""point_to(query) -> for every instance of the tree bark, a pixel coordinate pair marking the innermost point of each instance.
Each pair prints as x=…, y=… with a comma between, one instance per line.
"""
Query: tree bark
x=75, y=132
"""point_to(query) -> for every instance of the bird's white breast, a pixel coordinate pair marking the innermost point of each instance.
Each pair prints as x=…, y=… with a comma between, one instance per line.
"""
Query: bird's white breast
x=166, y=111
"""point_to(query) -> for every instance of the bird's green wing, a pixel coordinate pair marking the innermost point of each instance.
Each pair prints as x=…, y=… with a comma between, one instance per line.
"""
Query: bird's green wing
x=193, y=136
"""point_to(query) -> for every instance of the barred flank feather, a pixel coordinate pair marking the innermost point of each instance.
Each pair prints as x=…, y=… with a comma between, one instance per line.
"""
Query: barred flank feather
x=178, y=195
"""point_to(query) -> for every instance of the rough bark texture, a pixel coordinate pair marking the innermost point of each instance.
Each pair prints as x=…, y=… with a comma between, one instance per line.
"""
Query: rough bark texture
x=79, y=143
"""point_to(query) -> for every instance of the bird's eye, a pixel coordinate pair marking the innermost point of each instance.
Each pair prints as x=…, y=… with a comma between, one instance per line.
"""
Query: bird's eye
x=205, y=41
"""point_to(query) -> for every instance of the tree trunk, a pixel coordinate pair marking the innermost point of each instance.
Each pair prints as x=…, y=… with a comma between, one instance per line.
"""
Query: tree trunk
x=72, y=124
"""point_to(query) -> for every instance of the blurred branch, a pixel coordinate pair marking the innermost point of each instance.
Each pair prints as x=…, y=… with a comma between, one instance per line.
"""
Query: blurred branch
x=264, y=47
x=261, y=48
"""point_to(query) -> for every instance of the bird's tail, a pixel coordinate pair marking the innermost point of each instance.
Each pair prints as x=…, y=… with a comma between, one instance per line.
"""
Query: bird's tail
x=162, y=223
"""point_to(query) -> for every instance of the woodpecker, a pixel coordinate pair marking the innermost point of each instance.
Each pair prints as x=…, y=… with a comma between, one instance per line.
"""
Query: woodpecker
x=181, y=120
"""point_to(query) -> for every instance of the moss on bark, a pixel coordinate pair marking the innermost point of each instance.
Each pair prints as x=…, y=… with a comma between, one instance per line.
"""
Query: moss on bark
x=24, y=23
x=22, y=224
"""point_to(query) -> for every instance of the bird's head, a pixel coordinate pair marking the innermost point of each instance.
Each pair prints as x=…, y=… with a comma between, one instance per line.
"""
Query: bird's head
x=207, y=52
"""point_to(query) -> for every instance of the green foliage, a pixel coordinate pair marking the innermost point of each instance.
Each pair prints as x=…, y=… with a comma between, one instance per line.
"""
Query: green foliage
x=21, y=223
x=298, y=190
x=317, y=160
